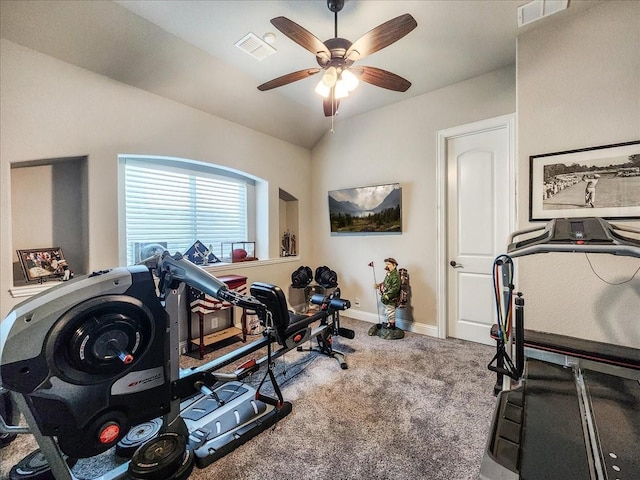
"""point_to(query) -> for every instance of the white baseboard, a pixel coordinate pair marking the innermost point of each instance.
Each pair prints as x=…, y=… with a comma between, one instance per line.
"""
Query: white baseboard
x=421, y=328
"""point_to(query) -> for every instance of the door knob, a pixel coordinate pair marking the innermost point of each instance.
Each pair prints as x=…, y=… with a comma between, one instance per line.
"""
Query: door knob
x=454, y=264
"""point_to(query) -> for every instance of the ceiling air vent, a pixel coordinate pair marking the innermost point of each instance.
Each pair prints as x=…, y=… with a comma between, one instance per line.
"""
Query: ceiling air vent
x=255, y=46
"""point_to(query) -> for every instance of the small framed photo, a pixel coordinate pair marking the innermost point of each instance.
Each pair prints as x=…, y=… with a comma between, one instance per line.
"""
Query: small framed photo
x=40, y=264
x=599, y=181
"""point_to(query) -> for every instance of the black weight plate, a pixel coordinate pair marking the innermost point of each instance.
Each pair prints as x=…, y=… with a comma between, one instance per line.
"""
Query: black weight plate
x=159, y=458
x=109, y=343
x=6, y=439
x=184, y=470
x=137, y=436
x=186, y=467
x=35, y=467
x=81, y=341
x=89, y=347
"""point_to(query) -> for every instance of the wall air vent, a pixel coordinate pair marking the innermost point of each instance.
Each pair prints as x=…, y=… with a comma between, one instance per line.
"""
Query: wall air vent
x=538, y=9
x=255, y=46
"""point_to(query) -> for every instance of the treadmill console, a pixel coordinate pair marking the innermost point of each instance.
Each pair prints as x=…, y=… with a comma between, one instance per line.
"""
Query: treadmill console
x=580, y=230
x=577, y=230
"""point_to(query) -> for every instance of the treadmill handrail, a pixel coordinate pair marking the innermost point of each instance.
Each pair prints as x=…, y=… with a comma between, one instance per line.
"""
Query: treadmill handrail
x=547, y=226
x=625, y=228
x=544, y=243
x=621, y=250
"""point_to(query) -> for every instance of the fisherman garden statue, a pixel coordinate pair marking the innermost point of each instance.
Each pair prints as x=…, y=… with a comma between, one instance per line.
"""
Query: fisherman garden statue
x=390, y=292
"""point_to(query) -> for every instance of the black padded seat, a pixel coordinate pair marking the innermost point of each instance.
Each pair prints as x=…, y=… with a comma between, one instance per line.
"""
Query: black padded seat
x=588, y=349
x=285, y=322
x=619, y=355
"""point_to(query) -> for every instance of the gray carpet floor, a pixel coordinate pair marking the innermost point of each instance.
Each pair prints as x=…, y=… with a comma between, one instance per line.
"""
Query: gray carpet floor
x=414, y=408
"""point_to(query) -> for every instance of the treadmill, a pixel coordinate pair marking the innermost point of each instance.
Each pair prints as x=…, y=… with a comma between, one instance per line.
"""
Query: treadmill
x=573, y=411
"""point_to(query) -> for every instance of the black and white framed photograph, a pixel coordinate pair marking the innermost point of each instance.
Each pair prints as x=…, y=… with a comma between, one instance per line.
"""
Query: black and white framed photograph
x=375, y=209
x=599, y=181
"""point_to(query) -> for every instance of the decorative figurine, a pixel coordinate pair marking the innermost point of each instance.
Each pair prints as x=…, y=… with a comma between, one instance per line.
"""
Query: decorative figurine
x=288, y=244
x=60, y=267
x=389, y=290
x=68, y=274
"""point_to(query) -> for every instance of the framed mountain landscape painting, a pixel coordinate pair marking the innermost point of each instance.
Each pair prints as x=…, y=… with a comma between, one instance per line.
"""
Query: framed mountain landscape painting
x=366, y=210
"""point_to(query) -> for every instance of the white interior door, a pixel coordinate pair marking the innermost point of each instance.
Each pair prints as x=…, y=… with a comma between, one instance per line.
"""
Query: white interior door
x=479, y=220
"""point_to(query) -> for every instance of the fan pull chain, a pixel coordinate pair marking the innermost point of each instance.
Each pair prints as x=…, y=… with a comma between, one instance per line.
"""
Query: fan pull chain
x=332, y=116
x=333, y=107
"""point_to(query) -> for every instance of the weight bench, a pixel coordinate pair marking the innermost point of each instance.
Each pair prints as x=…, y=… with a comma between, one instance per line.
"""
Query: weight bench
x=292, y=329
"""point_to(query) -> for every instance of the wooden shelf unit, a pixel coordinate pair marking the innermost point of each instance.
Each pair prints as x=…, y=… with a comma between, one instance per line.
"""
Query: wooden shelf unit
x=218, y=336
x=202, y=304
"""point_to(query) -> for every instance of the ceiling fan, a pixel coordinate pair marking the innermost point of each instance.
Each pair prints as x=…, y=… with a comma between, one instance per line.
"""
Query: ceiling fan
x=336, y=57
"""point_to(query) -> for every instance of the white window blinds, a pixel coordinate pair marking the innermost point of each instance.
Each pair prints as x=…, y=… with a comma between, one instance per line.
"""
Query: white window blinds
x=174, y=205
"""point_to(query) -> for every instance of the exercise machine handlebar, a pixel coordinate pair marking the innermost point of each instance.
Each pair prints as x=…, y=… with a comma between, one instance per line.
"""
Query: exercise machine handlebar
x=175, y=269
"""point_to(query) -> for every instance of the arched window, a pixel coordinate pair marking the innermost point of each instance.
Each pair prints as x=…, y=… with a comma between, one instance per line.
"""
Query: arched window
x=174, y=202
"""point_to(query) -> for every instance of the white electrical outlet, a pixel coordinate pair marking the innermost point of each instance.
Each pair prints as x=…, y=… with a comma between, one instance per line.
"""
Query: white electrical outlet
x=356, y=302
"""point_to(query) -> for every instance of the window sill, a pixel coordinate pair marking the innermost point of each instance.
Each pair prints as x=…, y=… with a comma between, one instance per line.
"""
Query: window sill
x=216, y=267
x=30, y=290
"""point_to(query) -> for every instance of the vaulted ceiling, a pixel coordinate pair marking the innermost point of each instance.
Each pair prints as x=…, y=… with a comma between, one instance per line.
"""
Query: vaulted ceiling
x=185, y=50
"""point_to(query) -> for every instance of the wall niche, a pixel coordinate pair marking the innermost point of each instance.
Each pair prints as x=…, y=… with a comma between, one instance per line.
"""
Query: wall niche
x=288, y=221
x=49, y=208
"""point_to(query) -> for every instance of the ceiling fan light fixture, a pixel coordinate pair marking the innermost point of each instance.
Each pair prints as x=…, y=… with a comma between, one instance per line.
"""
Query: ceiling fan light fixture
x=350, y=80
x=330, y=77
x=322, y=89
x=341, y=90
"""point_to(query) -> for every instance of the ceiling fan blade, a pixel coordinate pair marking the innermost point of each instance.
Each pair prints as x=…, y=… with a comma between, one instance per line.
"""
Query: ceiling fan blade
x=381, y=36
x=381, y=78
x=329, y=105
x=288, y=78
x=301, y=36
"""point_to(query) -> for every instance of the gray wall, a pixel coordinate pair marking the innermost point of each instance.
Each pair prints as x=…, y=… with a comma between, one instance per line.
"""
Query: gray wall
x=51, y=109
x=398, y=144
x=579, y=87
